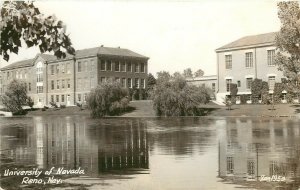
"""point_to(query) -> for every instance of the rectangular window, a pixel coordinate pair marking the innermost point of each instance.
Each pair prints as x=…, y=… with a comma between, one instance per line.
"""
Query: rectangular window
x=271, y=81
x=129, y=67
x=29, y=86
x=102, y=80
x=57, y=84
x=52, y=69
x=248, y=83
x=273, y=170
x=249, y=60
x=136, y=67
x=230, y=165
x=92, y=65
x=39, y=78
x=142, y=68
x=79, y=66
x=79, y=97
x=250, y=167
x=62, y=98
x=78, y=83
x=271, y=55
x=39, y=89
x=129, y=83
x=68, y=83
x=108, y=65
x=238, y=83
x=68, y=67
x=86, y=83
x=228, y=82
x=57, y=69
x=52, y=85
x=123, y=66
x=63, y=68
x=143, y=83
x=136, y=82
x=228, y=61
x=85, y=65
x=92, y=82
x=63, y=83
x=102, y=65
x=52, y=98
x=117, y=66
x=213, y=87
x=57, y=98
x=123, y=82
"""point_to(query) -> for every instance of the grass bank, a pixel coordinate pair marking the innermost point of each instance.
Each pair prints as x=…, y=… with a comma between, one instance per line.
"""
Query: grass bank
x=145, y=109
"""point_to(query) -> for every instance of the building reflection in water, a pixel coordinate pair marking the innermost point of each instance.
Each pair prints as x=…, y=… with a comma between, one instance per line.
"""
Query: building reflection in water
x=67, y=142
x=250, y=148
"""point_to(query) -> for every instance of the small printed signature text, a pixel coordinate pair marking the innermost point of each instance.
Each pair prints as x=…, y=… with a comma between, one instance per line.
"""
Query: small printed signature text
x=273, y=178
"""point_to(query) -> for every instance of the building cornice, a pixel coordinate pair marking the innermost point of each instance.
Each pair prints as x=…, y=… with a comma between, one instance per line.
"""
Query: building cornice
x=245, y=47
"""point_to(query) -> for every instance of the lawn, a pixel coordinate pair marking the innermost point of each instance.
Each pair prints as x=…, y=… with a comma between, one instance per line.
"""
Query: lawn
x=280, y=110
x=145, y=109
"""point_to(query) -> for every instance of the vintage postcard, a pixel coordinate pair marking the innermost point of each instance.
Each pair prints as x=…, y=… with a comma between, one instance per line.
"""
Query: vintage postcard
x=149, y=95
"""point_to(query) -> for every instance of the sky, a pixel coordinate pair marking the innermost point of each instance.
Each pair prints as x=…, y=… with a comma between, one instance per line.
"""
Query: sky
x=174, y=34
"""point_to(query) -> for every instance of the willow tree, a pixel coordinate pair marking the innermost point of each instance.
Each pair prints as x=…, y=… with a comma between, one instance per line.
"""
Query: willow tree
x=21, y=20
x=288, y=44
x=172, y=96
x=108, y=99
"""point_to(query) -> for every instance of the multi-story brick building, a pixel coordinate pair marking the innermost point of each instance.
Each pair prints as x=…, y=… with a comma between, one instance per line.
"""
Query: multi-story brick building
x=68, y=81
x=244, y=60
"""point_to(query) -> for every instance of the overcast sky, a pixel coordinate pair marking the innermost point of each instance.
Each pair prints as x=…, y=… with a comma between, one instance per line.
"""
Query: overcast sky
x=174, y=34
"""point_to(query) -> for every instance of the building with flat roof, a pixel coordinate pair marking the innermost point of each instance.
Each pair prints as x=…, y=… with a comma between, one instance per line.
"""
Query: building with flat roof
x=208, y=81
x=68, y=81
x=245, y=59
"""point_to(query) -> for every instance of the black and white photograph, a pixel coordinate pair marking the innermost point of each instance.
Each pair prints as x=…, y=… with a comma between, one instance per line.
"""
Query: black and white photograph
x=149, y=95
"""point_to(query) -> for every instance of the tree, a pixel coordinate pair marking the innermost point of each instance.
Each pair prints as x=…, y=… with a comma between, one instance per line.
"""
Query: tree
x=259, y=90
x=199, y=73
x=229, y=100
x=176, y=75
x=22, y=20
x=108, y=99
x=288, y=43
x=174, y=97
x=151, y=81
x=15, y=97
x=188, y=73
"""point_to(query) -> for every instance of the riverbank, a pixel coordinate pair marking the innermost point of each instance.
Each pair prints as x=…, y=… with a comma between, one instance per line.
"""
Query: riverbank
x=280, y=110
x=145, y=109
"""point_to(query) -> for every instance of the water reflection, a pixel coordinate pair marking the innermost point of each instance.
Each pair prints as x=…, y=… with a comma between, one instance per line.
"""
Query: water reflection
x=158, y=153
x=252, y=148
x=69, y=143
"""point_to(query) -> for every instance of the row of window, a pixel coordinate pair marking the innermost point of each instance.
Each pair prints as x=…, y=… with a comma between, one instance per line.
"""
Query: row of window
x=127, y=83
x=60, y=84
x=60, y=68
x=249, y=59
x=86, y=83
x=60, y=98
x=22, y=74
x=271, y=83
x=274, y=167
x=122, y=66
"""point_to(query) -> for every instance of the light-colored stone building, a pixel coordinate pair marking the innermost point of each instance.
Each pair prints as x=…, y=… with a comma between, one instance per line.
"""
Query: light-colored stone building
x=209, y=81
x=245, y=59
x=68, y=81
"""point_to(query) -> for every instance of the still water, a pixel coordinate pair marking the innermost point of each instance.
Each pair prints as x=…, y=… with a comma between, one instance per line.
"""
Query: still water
x=153, y=153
